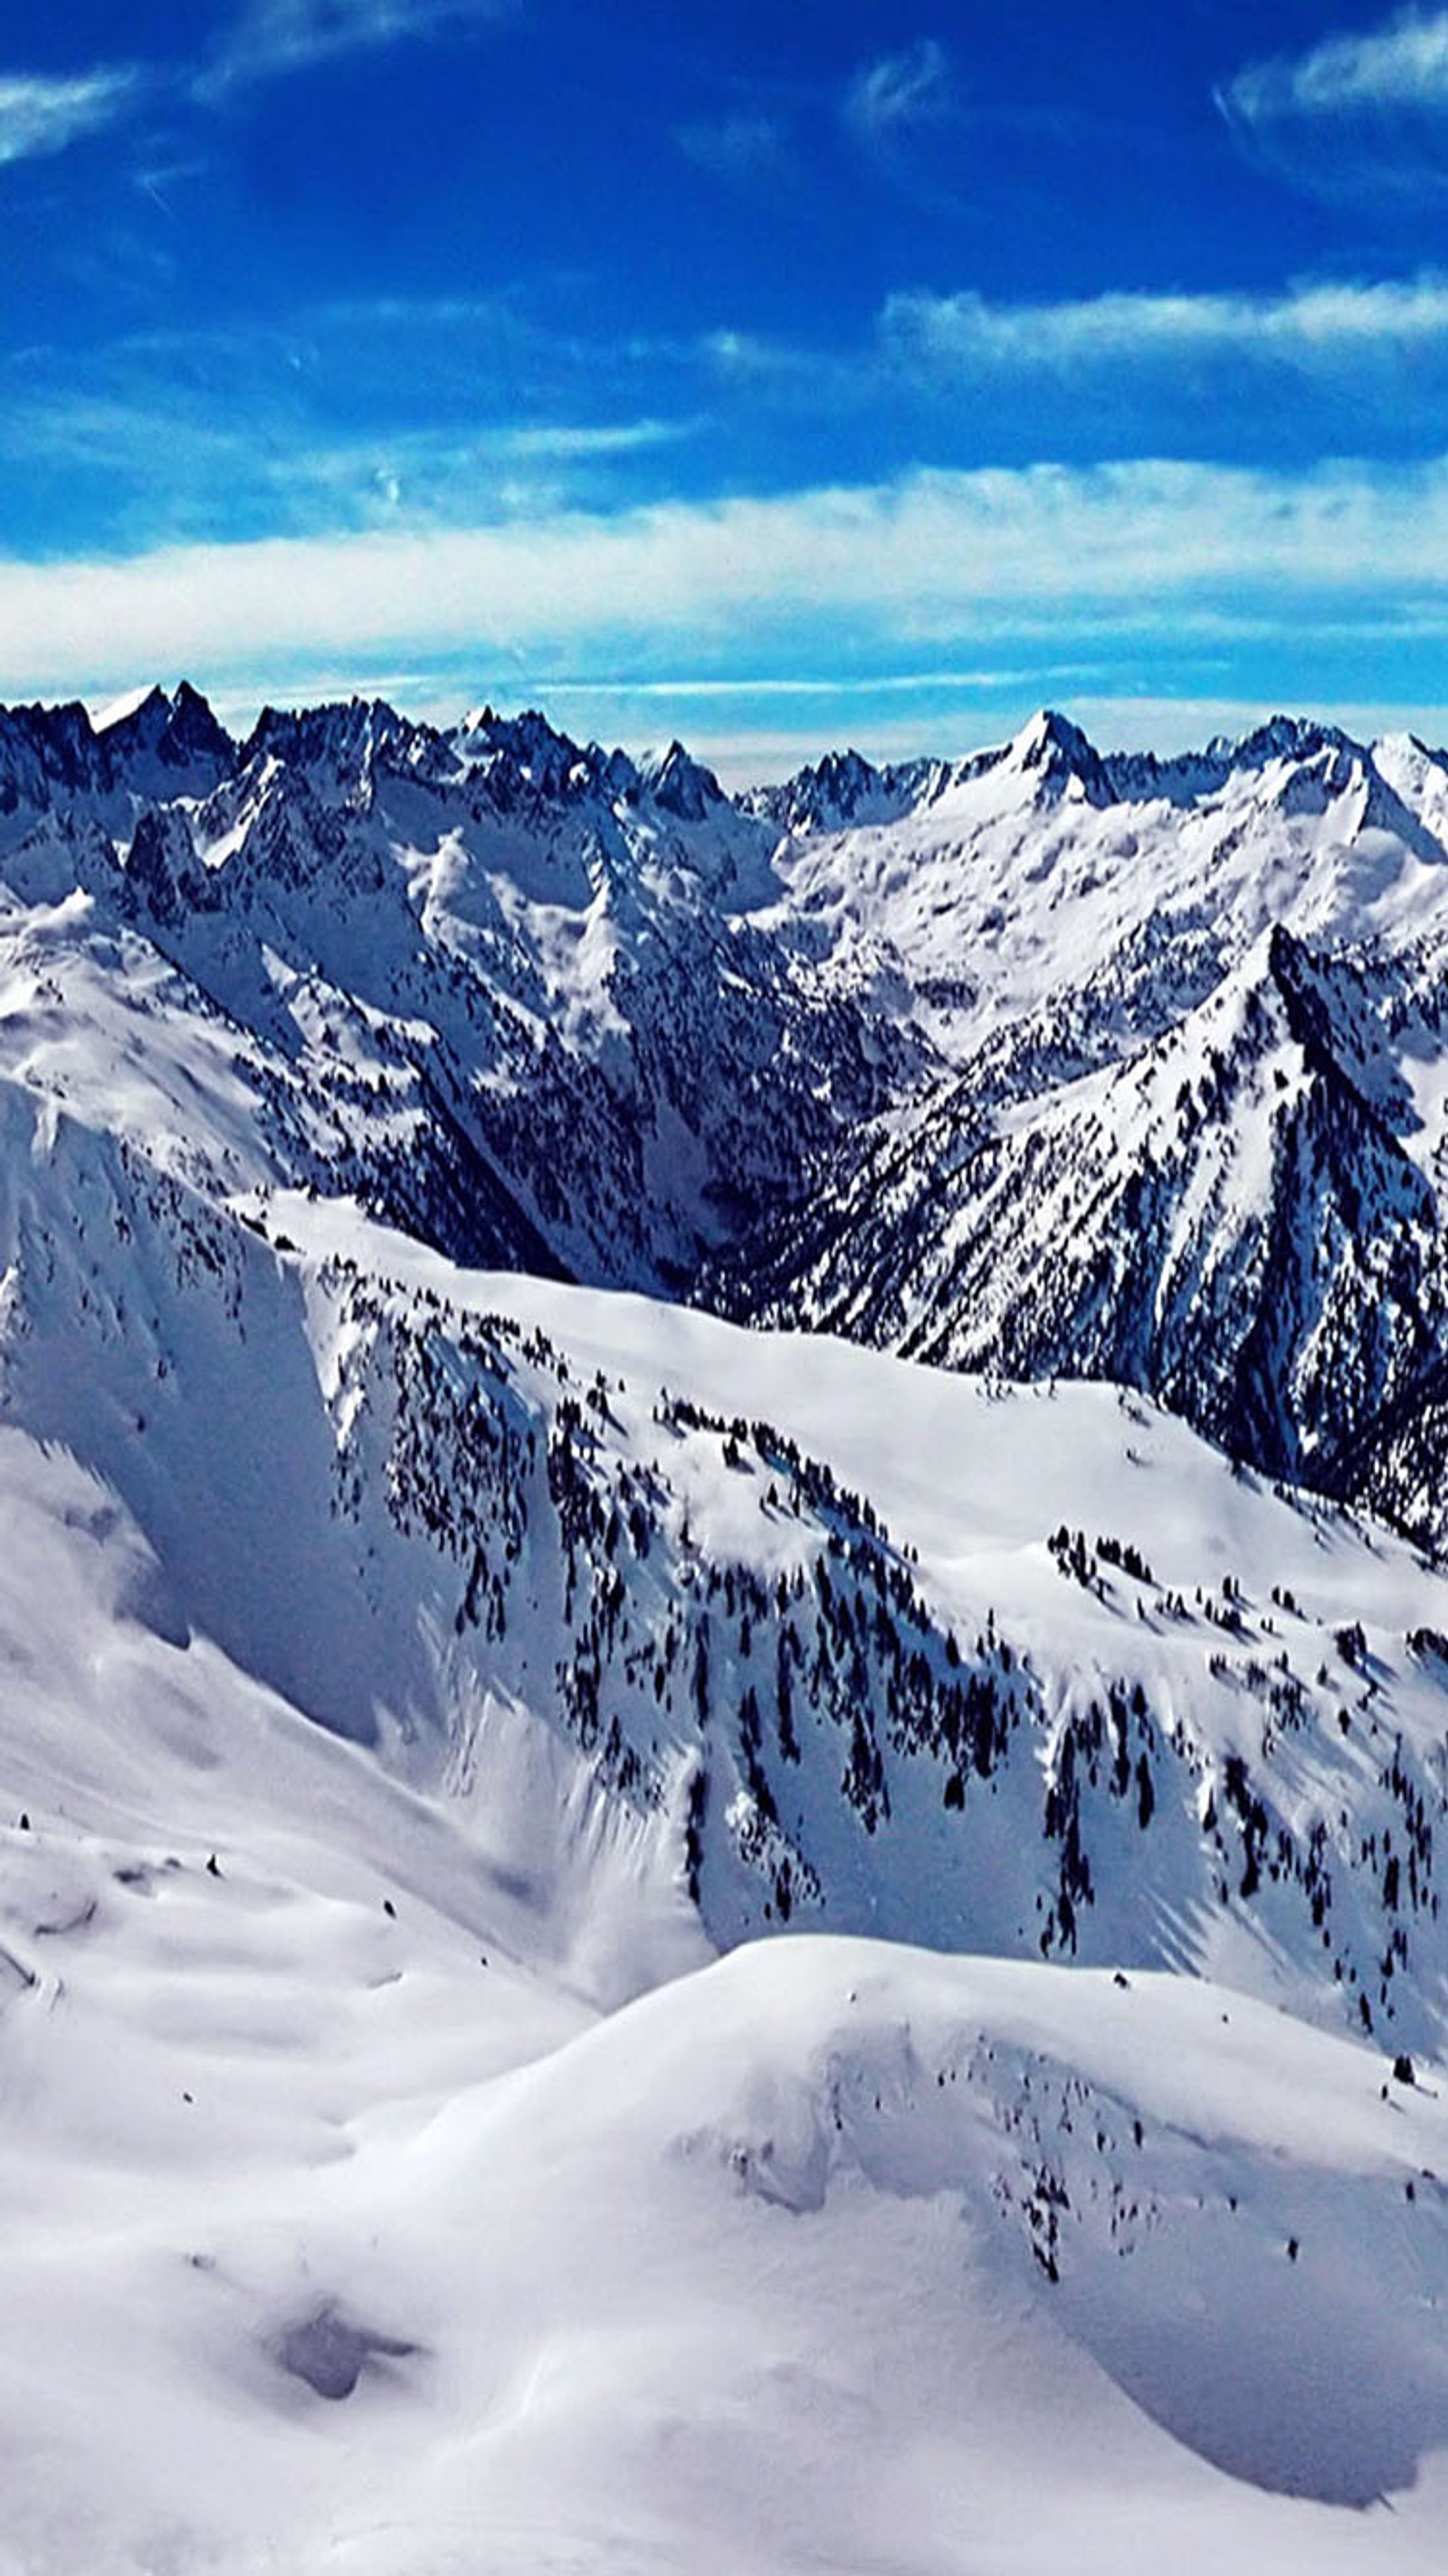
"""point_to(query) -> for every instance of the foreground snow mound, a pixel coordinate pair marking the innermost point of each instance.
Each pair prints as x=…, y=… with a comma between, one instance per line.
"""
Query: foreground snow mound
x=350, y=2244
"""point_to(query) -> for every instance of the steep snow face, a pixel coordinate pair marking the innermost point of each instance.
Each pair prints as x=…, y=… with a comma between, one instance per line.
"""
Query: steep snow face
x=1226, y=1219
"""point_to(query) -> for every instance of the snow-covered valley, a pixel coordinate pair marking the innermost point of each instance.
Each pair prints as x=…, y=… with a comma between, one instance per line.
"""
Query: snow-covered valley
x=637, y=1940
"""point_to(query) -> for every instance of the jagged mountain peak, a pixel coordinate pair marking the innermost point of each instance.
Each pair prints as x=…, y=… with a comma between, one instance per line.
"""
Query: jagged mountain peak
x=1062, y=756
x=151, y=746
x=844, y=773
x=1048, y=734
x=529, y=738
x=679, y=784
x=842, y=787
x=337, y=744
x=1056, y=752
x=131, y=702
x=1224, y=1216
x=177, y=730
x=1050, y=757
x=45, y=752
x=524, y=759
x=1282, y=737
x=1304, y=755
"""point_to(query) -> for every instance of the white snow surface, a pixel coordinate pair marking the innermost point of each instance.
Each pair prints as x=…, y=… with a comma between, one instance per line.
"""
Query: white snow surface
x=346, y=2232
x=403, y=2174
x=409, y=2193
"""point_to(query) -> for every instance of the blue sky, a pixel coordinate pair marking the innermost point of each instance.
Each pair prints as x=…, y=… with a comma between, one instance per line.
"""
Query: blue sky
x=774, y=376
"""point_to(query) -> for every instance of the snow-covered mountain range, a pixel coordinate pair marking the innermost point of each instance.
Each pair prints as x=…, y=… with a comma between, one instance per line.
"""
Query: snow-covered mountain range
x=429, y=1637
x=1041, y=1062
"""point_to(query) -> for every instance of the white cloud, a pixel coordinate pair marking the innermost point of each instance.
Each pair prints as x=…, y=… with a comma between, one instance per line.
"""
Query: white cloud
x=901, y=90
x=1404, y=64
x=272, y=37
x=38, y=115
x=1384, y=343
x=1309, y=327
x=570, y=441
x=927, y=563
x=1358, y=114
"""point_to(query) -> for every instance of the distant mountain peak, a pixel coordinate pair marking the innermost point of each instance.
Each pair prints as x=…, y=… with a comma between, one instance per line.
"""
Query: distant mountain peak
x=839, y=789
x=1049, y=731
x=679, y=784
x=135, y=704
x=1281, y=737
x=1055, y=752
x=177, y=730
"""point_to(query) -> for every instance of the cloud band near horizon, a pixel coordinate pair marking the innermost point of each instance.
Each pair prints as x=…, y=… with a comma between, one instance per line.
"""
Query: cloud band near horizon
x=927, y=561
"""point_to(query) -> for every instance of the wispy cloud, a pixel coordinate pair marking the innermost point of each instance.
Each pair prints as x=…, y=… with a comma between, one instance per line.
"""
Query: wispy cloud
x=1404, y=64
x=930, y=563
x=39, y=115
x=273, y=37
x=1311, y=327
x=584, y=439
x=1357, y=115
x=911, y=88
x=887, y=684
x=162, y=179
x=256, y=462
x=1316, y=370
x=886, y=102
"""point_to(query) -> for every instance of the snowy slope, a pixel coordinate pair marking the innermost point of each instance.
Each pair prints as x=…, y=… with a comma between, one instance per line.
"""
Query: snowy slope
x=434, y=1509
x=840, y=1643
x=346, y=2230
x=833, y=2255
x=418, y=1665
